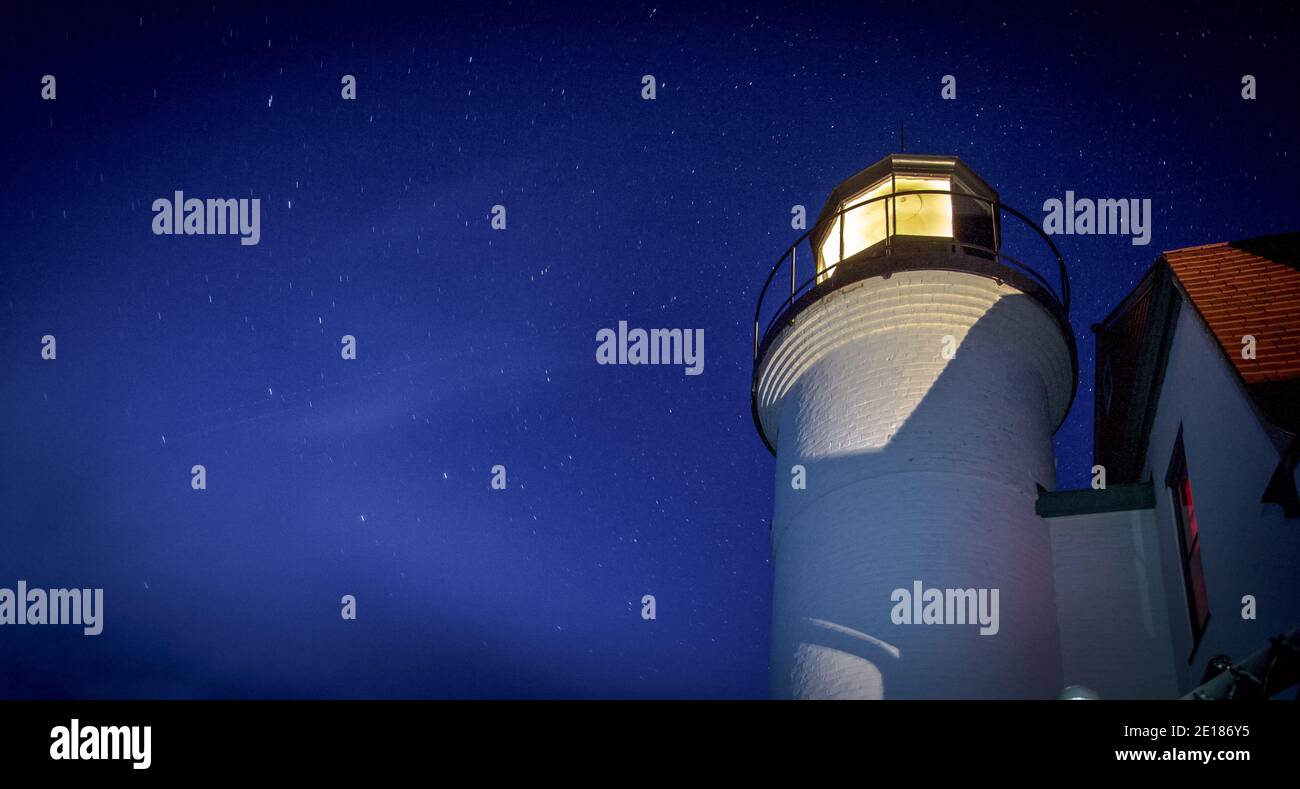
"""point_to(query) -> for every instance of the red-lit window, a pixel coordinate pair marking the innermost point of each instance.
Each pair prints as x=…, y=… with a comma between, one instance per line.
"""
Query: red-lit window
x=1189, y=542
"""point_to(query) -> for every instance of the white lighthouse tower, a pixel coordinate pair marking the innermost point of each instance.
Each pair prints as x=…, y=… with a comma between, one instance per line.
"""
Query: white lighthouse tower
x=910, y=370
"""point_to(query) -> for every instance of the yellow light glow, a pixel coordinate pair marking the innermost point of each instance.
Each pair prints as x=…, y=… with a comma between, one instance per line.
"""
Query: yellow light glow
x=923, y=215
x=909, y=215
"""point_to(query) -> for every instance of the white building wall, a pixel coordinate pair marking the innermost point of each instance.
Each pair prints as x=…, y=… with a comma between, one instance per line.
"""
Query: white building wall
x=918, y=468
x=1111, y=605
x=1248, y=548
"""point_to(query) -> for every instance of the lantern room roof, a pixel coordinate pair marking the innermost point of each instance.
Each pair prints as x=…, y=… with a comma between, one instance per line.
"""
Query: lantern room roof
x=908, y=164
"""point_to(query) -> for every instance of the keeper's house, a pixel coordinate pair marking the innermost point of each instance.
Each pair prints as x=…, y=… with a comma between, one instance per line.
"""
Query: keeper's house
x=1198, y=527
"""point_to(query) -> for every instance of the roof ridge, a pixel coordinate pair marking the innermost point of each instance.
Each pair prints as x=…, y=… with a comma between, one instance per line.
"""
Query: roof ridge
x=1236, y=244
x=1196, y=247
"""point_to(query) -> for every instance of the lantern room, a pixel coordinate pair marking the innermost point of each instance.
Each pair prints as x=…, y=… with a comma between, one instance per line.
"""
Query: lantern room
x=904, y=199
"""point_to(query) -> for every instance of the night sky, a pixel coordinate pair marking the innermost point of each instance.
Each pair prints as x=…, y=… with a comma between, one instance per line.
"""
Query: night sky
x=476, y=347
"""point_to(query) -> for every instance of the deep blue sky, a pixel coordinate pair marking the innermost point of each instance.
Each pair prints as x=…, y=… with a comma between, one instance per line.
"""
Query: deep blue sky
x=477, y=347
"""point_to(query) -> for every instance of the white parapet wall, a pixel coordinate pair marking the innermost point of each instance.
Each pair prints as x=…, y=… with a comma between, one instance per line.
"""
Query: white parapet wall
x=919, y=468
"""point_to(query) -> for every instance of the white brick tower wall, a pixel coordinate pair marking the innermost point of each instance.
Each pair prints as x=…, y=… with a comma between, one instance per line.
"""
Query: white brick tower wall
x=918, y=468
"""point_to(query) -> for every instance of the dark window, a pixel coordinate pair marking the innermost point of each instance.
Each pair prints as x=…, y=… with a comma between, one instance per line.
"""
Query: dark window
x=1189, y=542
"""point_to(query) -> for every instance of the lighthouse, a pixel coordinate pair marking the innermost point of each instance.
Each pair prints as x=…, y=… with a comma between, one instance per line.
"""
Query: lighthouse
x=912, y=359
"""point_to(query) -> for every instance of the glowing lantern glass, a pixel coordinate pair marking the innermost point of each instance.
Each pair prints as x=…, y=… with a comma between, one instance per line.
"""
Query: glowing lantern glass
x=904, y=214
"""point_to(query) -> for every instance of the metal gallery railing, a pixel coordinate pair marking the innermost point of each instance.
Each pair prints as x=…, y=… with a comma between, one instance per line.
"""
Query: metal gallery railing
x=989, y=221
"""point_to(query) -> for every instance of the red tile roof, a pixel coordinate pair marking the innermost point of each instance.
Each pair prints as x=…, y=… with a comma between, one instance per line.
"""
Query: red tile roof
x=1252, y=288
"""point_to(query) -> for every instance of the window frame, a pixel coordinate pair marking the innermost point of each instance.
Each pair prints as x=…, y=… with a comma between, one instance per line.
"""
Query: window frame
x=1178, y=479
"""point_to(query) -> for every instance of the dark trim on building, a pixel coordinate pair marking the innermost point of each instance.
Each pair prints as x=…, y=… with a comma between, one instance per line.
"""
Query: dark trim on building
x=1281, y=488
x=1197, y=638
x=1141, y=351
x=1116, y=498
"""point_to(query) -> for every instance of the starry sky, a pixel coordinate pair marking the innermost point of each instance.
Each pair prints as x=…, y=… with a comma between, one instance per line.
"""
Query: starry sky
x=476, y=346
